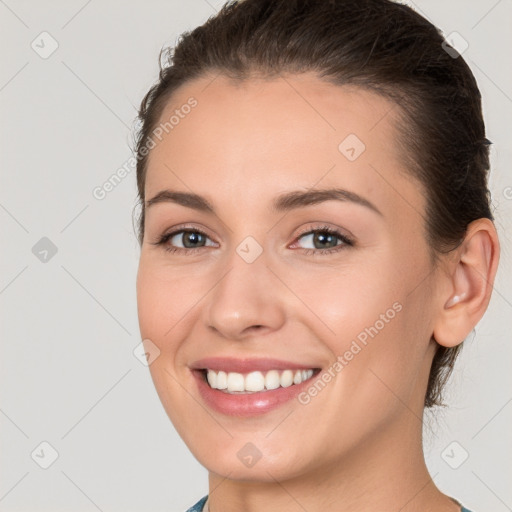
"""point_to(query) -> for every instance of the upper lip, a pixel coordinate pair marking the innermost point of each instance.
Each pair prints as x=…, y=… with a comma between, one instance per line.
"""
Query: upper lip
x=231, y=364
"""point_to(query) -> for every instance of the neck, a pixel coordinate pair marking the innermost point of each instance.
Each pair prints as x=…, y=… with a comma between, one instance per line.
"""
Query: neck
x=388, y=473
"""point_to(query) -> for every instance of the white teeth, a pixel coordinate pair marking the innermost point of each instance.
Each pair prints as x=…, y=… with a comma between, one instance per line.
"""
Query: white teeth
x=252, y=382
x=272, y=380
x=236, y=382
x=286, y=378
x=222, y=380
x=211, y=377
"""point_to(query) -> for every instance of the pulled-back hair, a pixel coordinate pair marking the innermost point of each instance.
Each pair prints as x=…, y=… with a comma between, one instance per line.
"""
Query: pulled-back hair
x=380, y=46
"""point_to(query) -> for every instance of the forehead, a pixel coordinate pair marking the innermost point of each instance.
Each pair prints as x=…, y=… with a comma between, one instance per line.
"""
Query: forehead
x=263, y=136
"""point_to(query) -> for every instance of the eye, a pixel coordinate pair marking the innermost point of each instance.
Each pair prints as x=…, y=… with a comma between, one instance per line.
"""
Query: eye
x=323, y=240
x=184, y=240
x=188, y=239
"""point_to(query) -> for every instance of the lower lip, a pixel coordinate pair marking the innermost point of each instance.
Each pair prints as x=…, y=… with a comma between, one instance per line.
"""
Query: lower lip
x=247, y=404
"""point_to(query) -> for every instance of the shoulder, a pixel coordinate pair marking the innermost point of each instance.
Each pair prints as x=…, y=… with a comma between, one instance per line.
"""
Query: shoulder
x=198, y=507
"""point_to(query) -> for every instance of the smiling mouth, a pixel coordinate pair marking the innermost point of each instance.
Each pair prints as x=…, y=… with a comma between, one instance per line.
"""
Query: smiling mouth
x=256, y=381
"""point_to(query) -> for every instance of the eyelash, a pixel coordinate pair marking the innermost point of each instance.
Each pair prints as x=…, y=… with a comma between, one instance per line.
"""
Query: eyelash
x=346, y=241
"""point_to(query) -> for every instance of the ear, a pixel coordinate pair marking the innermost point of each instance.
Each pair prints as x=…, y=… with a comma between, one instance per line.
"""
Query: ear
x=469, y=284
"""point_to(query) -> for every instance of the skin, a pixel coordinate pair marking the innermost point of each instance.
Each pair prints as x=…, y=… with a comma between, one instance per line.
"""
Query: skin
x=357, y=445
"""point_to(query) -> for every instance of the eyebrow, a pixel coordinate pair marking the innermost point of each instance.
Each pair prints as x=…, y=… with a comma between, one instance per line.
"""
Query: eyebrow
x=283, y=203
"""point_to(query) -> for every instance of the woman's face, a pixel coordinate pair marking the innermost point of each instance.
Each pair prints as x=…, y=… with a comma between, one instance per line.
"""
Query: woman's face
x=248, y=168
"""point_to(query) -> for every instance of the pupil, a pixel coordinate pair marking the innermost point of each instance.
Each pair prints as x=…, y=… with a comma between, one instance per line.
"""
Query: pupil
x=324, y=238
x=191, y=239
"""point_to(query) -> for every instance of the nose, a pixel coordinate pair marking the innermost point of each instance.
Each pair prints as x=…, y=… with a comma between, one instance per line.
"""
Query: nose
x=245, y=301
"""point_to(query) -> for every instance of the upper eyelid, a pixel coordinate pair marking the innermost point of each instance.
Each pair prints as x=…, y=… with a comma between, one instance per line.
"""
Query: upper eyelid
x=310, y=229
x=178, y=230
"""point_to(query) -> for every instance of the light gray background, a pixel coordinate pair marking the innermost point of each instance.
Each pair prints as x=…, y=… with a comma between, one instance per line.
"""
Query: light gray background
x=69, y=325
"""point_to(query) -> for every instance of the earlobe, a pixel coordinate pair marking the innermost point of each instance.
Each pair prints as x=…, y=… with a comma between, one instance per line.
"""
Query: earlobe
x=470, y=282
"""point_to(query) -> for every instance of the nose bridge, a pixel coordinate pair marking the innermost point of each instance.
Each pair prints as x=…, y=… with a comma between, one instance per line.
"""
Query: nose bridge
x=244, y=297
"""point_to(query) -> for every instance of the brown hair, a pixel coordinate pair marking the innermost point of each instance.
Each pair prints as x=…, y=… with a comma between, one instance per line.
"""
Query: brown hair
x=379, y=45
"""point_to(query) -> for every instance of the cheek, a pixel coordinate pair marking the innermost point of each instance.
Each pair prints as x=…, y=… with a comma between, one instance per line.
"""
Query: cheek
x=165, y=300
x=351, y=300
x=373, y=325
x=165, y=309
x=151, y=297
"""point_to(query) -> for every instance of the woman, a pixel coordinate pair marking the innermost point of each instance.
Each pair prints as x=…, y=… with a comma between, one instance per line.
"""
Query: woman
x=316, y=244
